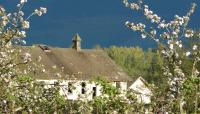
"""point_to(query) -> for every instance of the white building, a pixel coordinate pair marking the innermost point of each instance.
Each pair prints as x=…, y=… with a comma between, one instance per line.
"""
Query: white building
x=78, y=67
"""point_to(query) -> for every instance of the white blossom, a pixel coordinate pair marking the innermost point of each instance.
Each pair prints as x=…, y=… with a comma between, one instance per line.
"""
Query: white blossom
x=194, y=47
x=23, y=42
x=143, y=35
x=21, y=13
x=189, y=33
x=18, y=5
x=23, y=1
x=39, y=13
x=171, y=46
x=153, y=32
x=43, y=10
x=157, y=40
x=161, y=25
x=25, y=24
x=188, y=53
x=22, y=34
x=134, y=6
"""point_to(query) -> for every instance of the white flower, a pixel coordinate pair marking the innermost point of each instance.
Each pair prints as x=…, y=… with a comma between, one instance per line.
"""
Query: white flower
x=171, y=46
x=127, y=22
x=22, y=34
x=174, y=33
x=18, y=5
x=39, y=13
x=143, y=35
x=180, y=45
x=4, y=101
x=2, y=10
x=134, y=6
x=157, y=40
x=29, y=110
x=23, y=42
x=21, y=13
x=194, y=47
x=153, y=32
x=25, y=24
x=43, y=10
x=4, y=23
x=126, y=3
x=161, y=25
x=188, y=53
x=189, y=33
x=4, y=20
x=163, y=51
x=23, y=1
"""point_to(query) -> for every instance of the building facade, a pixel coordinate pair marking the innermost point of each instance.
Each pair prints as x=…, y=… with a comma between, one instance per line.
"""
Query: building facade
x=76, y=68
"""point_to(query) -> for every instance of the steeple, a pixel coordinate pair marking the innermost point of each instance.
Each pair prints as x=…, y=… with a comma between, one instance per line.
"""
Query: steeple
x=76, y=42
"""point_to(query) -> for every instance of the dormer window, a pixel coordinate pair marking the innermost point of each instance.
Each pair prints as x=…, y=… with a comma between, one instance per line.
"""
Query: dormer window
x=45, y=48
x=83, y=89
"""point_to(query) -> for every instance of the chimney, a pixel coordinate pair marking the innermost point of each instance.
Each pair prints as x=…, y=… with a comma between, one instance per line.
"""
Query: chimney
x=76, y=42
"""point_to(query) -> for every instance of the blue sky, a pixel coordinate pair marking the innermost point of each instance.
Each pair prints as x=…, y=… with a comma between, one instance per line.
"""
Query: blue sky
x=97, y=21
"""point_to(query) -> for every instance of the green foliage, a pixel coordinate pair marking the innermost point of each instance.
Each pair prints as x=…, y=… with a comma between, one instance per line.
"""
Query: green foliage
x=114, y=99
x=137, y=62
x=191, y=89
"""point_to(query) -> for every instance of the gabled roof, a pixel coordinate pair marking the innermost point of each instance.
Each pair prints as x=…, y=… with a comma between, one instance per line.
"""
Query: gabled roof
x=81, y=65
x=141, y=86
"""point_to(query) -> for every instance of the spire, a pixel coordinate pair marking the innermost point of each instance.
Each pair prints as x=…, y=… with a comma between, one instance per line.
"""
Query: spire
x=76, y=42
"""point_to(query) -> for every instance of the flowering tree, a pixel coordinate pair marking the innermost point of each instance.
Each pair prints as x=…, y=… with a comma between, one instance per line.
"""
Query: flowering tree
x=171, y=34
x=19, y=92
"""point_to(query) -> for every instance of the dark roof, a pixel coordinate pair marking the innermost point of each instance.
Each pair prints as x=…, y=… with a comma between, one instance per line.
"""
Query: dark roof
x=82, y=65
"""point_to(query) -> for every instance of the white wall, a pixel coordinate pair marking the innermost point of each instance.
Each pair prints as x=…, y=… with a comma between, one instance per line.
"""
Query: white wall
x=77, y=88
x=76, y=91
x=142, y=91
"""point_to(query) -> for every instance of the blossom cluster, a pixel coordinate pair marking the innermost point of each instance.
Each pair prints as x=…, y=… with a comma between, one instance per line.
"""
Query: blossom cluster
x=15, y=61
x=150, y=15
x=136, y=27
x=172, y=28
x=171, y=34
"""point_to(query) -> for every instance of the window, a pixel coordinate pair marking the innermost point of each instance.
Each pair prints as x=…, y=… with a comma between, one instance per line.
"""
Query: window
x=94, y=94
x=118, y=85
x=70, y=91
x=83, y=89
x=45, y=48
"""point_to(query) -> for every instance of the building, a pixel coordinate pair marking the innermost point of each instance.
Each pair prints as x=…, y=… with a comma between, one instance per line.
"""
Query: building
x=77, y=67
x=143, y=93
